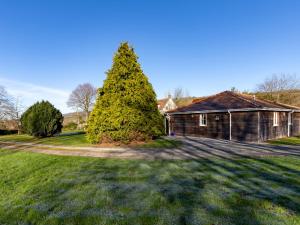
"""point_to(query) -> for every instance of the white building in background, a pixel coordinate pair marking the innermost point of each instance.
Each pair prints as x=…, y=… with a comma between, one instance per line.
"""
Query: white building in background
x=166, y=104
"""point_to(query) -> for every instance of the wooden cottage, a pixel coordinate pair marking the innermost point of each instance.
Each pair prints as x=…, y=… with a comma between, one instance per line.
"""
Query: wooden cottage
x=232, y=116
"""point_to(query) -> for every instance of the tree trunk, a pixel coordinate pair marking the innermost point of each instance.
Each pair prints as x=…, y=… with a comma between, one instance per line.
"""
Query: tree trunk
x=86, y=116
x=78, y=122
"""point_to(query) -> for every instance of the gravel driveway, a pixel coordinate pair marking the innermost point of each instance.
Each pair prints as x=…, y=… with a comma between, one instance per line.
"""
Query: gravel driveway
x=192, y=148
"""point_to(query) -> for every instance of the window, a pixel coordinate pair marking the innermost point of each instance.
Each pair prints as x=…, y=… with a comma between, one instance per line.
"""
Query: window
x=275, y=119
x=203, y=120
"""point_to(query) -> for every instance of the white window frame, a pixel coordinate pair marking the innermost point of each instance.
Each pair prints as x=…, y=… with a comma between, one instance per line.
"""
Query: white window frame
x=275, y=119
x=203, y=120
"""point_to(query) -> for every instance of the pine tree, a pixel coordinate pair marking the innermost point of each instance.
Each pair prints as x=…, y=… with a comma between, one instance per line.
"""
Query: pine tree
x=126, y=108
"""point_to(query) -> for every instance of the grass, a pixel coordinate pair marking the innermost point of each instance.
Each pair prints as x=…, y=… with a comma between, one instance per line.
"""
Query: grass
x=79, y=139
x=43, y=189
x=162, y=143
x=67, y=139
x=286, y=141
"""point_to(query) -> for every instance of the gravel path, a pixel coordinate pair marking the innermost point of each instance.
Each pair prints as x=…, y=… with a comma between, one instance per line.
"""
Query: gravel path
x=192, y=148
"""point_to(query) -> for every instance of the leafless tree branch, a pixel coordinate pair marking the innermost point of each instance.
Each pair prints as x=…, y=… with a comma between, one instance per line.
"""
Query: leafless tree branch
x=82, y=98
x=278, y=85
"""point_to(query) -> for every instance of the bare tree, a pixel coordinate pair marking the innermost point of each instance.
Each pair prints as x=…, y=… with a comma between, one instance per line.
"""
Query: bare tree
x=10, y=108
x=15, y=111
x=278, y=86
x=3, y=94
x=82, y=98
x=4, y=103
x=178, y=93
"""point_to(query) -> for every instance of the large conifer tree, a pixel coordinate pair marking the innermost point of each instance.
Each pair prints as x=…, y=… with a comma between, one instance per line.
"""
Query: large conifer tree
x=126, y=107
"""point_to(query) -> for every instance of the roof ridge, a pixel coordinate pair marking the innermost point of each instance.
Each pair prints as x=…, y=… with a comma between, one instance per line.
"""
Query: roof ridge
x=201, y=100
x=205, y=98
x=240, y=96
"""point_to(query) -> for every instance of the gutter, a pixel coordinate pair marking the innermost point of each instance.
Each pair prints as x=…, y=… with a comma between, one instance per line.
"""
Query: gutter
x=290, y=122
x=229, y=125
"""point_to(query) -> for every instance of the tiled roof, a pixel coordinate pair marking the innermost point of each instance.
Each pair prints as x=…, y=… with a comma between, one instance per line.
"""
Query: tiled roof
x=230, y=100
x=162, y=102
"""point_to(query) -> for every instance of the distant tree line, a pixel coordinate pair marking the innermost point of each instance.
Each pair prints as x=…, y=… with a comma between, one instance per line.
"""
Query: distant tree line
x=283, y=88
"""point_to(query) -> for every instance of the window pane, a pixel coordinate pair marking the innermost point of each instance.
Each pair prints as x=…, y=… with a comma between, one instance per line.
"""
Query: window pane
x=276, y=118
x=202, y=119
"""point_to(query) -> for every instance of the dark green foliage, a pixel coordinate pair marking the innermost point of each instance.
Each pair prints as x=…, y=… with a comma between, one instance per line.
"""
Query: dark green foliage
x=126, y=107
x=8, y=132
x=42, y=120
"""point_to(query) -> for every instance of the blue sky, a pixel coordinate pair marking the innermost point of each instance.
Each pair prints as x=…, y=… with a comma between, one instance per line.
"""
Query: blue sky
x=47, y=48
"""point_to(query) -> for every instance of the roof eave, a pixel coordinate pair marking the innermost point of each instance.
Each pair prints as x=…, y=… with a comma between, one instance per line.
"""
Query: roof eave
x=234, y=110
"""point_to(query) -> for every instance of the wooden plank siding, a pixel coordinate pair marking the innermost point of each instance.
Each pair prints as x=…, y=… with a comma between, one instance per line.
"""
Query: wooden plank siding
x=244, y=126
x=268, y=130
x=253, y=126
x=295, y=124
x=188, y=125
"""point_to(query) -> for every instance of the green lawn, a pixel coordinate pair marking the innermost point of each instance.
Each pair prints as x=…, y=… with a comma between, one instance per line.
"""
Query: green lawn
x=286, y=141
x=162, y=143
x=67, y=139
x=74, y=139
x=42, y=189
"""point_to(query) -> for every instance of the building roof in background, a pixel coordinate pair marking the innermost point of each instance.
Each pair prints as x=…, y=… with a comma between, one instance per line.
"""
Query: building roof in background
x=161, y=103
x=230, y=100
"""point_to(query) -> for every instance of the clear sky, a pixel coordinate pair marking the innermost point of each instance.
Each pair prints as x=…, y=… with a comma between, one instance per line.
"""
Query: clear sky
x=49, y=47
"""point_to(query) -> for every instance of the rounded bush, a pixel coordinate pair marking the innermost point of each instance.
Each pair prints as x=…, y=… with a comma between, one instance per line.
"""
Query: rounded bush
x=42, y=120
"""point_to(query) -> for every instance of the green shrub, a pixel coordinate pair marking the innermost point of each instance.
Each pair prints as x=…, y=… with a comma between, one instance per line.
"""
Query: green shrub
x=70, y=126
x=42, y=120
x=126, y=107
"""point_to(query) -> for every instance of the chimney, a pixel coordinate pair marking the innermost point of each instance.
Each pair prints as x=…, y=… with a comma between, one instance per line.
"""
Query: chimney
x=169, y=96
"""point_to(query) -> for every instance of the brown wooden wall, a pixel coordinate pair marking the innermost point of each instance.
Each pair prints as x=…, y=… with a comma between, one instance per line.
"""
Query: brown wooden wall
x=244, y=126
x=296, y=124
x=188, y=125
x=268, y=131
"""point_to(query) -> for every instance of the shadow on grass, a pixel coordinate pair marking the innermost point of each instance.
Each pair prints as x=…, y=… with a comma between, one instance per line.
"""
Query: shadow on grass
x=229, y=189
